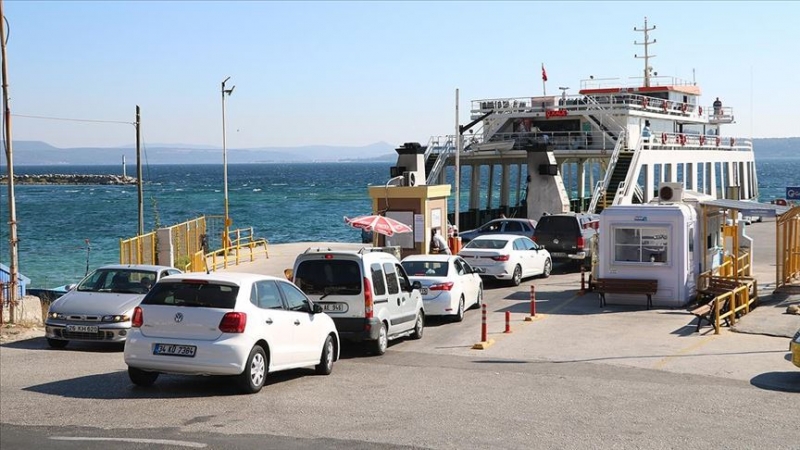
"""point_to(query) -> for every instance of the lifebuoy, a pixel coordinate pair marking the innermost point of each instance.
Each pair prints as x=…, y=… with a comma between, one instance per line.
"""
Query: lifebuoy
x=702, y=140
x=663, y=138
x=733, y=141
x=683, y=107
x=718, y=141
x=644, y=102
x=780, y=201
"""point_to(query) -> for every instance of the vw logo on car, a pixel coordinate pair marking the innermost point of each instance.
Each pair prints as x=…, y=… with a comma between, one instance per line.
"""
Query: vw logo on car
x=179, y=317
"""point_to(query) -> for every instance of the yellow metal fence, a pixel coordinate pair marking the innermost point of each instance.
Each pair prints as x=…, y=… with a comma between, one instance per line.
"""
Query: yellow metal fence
x=138, y=250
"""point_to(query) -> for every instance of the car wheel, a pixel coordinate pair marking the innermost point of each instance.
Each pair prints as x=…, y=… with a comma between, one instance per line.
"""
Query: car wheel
x=251, y=380
x=57, y=343
x=460, y=314
x=141, y=377
x=325, y=366
x=419, y=326
x=380, y=344
x=516, y=279
x=548, y=268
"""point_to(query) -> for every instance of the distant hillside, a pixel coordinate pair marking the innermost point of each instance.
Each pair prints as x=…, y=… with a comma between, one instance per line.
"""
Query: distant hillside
x=41, y=153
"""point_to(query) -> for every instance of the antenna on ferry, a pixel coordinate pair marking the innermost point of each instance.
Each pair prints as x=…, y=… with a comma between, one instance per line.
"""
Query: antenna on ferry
x=647, y=55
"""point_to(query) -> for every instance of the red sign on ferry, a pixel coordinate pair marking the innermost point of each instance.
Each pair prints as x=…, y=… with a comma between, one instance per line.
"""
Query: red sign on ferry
x=555, y=113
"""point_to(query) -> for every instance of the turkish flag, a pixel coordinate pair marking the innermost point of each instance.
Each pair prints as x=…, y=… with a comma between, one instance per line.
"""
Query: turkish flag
x=544, y=74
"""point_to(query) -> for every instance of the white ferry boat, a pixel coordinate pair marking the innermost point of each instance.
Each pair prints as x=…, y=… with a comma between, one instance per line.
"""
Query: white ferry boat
x=612, y=144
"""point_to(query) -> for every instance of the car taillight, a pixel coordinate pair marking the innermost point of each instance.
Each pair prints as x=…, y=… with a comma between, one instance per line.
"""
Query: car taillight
x=580, y=242
x=138, y=317
x=442, y=286
x=233, y=322
x=367, y=298
x=501, y=258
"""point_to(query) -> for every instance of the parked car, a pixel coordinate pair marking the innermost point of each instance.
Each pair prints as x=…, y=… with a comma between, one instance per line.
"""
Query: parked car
x=521, y=227
x=449, y=284
x=568, y=236
x=228, y=323
x=794, y=347
x=366, y=292
x=100, y=307
x=507, y=257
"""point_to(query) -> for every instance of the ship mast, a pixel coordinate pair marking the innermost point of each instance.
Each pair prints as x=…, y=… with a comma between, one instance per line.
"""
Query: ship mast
x=647, y=55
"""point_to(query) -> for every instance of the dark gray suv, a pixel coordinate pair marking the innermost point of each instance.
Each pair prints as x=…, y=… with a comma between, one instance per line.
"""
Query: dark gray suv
x=568, y=237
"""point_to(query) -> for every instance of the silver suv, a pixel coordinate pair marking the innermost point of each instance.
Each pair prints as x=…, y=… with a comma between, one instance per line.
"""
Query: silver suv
x=366, y=292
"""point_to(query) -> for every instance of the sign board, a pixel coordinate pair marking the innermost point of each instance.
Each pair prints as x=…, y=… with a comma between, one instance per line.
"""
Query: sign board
x=793, y=193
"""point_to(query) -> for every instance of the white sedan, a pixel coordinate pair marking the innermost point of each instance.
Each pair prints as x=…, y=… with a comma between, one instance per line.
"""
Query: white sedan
x=449, y=284
x=222, y=323
x=508, y=257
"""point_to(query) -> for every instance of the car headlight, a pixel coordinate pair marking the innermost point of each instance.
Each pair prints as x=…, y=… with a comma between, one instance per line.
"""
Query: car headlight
x=55, y=315
x=116, y=318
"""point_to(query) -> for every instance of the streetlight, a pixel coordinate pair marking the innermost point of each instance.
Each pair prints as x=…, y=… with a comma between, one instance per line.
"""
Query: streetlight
x=225, y=166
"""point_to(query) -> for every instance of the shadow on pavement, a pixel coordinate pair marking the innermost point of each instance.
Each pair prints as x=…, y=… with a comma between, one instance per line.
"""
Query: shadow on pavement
x=40, y=343
x=778, y=381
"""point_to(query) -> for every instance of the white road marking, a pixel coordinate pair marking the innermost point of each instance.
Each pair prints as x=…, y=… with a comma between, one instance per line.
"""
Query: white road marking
x=133, y=440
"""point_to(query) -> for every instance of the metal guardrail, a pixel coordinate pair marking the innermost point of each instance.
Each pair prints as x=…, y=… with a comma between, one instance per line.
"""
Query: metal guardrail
x=243, y=247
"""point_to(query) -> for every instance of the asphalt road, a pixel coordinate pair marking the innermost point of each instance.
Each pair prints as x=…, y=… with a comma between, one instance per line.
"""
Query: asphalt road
x=528, y=390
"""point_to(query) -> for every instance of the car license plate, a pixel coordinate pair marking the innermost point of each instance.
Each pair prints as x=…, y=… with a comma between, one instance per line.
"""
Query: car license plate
x=82, y=328
x=174, y=350
x=558, y=254
x=423, y=291
x=337, y=307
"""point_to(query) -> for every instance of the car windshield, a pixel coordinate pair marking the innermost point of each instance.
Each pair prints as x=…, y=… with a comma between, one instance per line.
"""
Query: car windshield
x=494, y=244
x=193, y=294
x=426, y=268
x=121, y=281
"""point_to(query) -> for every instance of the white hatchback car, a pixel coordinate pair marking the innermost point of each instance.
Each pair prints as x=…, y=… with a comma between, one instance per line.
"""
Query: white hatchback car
x=507, y=257
x=222, y=323
x=449, y=284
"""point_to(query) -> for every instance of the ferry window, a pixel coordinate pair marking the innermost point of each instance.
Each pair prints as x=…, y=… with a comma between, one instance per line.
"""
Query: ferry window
x=641, y=245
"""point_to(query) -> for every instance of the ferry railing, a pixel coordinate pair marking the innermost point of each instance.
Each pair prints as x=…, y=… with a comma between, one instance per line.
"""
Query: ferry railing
x=443, y=151
x=689, y=141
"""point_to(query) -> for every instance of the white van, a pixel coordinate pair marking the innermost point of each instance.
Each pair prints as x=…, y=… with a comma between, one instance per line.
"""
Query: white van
x=366, y=292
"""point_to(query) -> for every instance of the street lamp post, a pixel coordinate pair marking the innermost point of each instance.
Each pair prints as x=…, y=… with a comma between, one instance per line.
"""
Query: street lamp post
x=225, y=239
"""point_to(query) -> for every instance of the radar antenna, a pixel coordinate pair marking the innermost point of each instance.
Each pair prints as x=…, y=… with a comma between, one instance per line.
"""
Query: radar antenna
x=647, y=68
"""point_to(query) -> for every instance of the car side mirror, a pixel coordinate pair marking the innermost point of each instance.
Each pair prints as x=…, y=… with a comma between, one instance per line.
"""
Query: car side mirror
x=316, y=308
x=416, y=285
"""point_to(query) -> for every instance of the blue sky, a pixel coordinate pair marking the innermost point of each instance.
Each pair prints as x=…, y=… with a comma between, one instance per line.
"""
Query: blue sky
x=355, y=73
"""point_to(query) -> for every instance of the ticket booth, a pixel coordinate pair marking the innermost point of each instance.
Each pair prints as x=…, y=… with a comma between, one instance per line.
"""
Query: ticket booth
x=423, y=208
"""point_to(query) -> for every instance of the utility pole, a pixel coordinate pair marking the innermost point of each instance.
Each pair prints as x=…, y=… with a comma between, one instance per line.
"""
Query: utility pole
x=647, y=55
x=12, y=206
x=139, y=170
x=458, y=169
x=225, y=237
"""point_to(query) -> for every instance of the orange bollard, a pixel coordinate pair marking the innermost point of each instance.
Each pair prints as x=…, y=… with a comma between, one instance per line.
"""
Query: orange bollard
x=508, y=322
x=583, y=279
x=484, y=329
x=533, y=301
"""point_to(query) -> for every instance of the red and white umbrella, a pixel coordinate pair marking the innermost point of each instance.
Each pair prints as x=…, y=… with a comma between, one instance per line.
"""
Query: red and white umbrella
x=379, y=224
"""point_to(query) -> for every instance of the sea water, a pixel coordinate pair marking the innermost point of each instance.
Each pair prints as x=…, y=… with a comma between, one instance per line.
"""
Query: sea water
x=64, y=230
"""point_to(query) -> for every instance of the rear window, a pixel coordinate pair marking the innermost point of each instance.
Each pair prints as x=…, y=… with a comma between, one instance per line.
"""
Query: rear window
x=553, y=224
x=329, y=276
x=493, y=244
x=204, y=295
x=426, y=268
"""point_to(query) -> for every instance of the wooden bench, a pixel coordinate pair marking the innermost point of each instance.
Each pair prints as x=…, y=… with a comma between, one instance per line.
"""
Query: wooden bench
x=605, y=286
x=706, y=313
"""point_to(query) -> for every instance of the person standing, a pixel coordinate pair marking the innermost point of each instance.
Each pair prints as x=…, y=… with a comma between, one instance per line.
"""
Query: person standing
x=717, y=107
x=439, y=243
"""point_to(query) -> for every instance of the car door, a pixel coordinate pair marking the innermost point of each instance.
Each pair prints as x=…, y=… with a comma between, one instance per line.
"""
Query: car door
x=399, y=320
x=462, y=280
x=470, y=280
x=537, y=256
x=527, y=257
x=309, y=334
x=275, y=323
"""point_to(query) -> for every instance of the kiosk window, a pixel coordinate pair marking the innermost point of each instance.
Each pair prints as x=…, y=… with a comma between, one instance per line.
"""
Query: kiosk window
x=641, y=245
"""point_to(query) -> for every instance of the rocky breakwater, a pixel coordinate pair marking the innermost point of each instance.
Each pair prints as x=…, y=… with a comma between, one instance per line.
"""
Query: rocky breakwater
x=56, y=178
